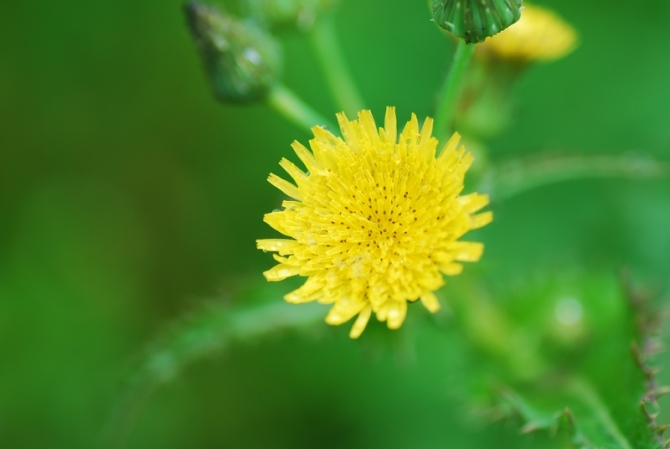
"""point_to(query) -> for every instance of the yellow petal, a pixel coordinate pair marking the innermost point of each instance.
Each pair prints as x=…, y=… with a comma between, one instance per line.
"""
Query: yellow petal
x=311, y=290
x=306, y=157
x=277, y=221
x=343, y=310
x=467, y=251
x=450, y=146
x=410, y=132
x=368, y=126
x=293, y=170
x=396, y=314
x=430, y=302
x=426, y=131
x=326, y=137
x=323, y=153
x=382, y=312
x=280, y=272
x=283, y=246
x=451, y=269
x=362, y=321
x=473, y=202
x=348, y=131
x=481, y=220
x=284, y=186
x=390, y=124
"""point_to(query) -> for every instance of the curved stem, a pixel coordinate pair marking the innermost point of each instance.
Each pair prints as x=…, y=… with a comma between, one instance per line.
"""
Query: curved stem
x=211, y=331
x=452, y=85
x=331, y=58
x=288, y=104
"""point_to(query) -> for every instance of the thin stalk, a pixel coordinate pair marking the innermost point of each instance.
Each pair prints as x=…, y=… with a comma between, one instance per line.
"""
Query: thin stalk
x=338, y=76
x=451, y=88
x=288, y=104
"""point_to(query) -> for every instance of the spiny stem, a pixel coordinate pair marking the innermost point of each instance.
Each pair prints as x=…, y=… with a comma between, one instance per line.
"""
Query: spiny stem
x=451, y=88
x=288, y=104
x=338, y=76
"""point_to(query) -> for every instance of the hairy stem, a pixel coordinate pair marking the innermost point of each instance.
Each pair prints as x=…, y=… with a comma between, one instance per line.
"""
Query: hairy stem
x=515, y=177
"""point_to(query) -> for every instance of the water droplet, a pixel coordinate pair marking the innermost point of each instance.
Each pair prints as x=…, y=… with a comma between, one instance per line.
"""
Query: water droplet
x=568, y=311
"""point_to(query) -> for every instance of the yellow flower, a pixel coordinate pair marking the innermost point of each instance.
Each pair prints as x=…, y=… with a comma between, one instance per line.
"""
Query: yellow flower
x=539, y=35
x=375, y=221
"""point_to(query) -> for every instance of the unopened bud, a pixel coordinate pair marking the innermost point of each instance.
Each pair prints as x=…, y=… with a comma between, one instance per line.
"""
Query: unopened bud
x=475, y=20
x=241, y=61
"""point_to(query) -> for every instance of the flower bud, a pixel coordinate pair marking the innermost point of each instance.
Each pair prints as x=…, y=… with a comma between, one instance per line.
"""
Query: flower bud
x=486, y=102
x=241, y=60
x=475, y=20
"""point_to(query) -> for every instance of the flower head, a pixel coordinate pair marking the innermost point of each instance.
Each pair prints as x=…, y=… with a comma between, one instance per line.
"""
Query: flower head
x=375, y=223
x=539, y=35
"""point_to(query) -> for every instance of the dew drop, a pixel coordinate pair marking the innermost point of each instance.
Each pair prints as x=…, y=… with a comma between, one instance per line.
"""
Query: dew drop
x=568, y=311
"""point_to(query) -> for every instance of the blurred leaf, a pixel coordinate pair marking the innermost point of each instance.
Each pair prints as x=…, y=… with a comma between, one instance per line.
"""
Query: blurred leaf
x=514, y=177
x=580, y=328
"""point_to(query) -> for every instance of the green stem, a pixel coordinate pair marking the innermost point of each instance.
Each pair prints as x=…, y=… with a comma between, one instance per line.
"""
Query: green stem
x=288, y=104
x=338, y=76
x=211, y=331
x=451, y=88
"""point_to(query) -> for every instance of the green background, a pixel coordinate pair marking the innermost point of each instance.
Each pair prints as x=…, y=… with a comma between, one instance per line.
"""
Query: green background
x=129, y=197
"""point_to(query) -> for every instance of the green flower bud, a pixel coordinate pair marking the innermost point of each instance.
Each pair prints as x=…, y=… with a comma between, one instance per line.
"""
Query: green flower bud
x=475, y=20
x=291, y=13
x=241, y=61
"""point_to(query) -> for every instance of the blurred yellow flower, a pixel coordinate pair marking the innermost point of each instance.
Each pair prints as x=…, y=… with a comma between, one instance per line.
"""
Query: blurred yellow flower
x=539, y=35
x=375, y=222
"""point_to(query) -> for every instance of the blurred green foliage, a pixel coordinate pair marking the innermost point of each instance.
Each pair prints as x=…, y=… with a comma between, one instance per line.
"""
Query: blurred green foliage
x=128, y=197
